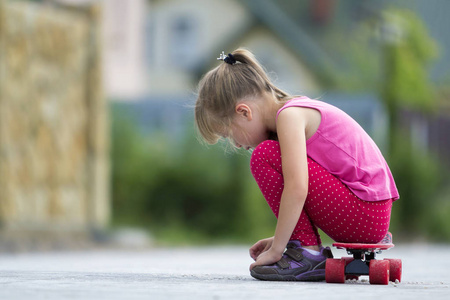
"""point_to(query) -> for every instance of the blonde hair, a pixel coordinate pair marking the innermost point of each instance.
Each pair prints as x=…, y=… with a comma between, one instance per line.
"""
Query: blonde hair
x=221, y=88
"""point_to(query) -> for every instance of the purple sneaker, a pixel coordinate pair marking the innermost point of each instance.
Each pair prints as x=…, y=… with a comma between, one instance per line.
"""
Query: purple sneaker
x=297, y=264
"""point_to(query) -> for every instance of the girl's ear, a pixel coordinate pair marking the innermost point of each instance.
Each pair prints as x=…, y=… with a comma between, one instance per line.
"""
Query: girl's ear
x=244, y=111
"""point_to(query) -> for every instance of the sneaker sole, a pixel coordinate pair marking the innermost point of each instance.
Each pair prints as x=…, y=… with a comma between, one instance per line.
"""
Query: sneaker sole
x=315, y=275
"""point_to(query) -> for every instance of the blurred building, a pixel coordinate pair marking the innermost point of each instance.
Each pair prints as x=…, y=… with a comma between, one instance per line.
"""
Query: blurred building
x=54, y=163
x=186, y=37
x=294, y=40
x=183, y=39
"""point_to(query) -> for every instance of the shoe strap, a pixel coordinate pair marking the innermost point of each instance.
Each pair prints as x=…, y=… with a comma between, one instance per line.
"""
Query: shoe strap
x=282, y=263
x=295, y=254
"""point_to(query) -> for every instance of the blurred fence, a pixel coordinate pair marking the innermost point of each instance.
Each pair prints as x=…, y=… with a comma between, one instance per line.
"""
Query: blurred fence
x=53, y=124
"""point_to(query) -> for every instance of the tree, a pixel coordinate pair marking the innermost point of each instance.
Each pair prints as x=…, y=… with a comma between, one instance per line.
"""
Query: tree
x=407, y=51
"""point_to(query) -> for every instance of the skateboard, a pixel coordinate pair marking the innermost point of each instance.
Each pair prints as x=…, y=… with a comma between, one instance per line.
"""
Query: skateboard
x=363, y=262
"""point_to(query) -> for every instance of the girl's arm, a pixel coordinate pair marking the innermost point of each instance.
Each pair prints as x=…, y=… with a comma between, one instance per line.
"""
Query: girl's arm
x=291, y=126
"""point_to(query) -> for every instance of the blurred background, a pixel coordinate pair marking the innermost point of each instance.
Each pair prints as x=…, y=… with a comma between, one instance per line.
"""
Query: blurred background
x=97, y=142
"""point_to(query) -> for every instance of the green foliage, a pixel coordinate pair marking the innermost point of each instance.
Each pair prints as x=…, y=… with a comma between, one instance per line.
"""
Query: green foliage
x=417, y=177
x=183, y=191
x=406, y=59
x=361, y=59
x=438, y=219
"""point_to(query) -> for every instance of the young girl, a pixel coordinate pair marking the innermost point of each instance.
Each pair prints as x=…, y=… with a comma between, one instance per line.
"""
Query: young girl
x=315, y=166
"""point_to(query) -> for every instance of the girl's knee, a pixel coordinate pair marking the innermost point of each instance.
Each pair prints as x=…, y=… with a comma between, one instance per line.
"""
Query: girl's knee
x=266, y=147
x=266, y=152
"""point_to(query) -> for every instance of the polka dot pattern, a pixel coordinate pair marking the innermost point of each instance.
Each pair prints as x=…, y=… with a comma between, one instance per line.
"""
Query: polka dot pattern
x=330, y=204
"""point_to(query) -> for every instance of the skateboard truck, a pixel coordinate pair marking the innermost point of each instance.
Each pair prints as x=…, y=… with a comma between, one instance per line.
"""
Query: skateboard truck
x=360, y=263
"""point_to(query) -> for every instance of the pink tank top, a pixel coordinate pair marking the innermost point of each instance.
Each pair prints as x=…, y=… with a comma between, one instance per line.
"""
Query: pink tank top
x=344, y=149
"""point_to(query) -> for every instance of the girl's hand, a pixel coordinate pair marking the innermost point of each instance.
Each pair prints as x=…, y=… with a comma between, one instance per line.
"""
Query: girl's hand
x=260, y=247
x=267, y=258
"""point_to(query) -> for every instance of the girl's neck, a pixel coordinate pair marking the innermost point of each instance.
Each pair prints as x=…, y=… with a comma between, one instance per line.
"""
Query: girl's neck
x=271, y=107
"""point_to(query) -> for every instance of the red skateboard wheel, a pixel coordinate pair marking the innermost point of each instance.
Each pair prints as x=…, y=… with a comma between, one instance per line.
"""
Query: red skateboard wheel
x=335, y=270
x=379, y=272
x=395, y=269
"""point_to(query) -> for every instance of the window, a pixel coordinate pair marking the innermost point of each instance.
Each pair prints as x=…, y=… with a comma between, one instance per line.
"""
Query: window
x=184, y=42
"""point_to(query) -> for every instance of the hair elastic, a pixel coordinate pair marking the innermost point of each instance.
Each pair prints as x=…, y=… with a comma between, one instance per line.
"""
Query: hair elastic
x=229, y=59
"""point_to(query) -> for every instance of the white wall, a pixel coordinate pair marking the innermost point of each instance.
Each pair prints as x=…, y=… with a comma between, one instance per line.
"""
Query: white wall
x=124, y=69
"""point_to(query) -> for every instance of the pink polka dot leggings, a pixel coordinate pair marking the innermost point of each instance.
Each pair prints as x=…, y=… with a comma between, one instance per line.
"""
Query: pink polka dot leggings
x=330, y=205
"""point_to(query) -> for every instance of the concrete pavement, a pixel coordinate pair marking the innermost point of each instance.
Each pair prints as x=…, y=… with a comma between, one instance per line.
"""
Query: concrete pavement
x=202, y=273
